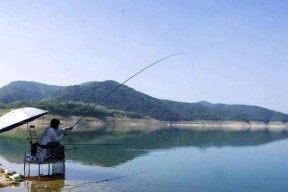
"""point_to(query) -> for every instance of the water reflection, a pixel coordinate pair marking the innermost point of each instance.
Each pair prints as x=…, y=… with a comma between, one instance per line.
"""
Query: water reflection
x=127, y=146
x=45, y=183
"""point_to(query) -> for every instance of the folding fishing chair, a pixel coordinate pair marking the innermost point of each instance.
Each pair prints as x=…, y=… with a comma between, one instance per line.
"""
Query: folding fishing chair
x=40, y=155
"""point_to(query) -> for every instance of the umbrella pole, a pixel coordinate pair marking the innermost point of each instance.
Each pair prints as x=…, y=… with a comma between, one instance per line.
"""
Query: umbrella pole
x=27, y=131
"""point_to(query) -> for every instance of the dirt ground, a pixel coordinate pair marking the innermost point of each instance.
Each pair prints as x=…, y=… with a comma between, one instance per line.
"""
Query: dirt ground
x=5, y=181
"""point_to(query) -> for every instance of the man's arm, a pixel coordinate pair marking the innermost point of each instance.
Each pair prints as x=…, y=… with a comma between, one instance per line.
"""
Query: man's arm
x=54, y=135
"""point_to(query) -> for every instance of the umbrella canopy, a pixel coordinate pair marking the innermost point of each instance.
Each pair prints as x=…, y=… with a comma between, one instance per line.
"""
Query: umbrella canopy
x=19, y=117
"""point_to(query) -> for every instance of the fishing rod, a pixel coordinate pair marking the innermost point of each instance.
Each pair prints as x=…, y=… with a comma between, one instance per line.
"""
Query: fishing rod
x=117, y=87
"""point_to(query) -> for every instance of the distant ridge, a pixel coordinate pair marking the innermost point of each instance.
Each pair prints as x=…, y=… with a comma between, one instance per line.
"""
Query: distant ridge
x=127, y=101
x=26, y=90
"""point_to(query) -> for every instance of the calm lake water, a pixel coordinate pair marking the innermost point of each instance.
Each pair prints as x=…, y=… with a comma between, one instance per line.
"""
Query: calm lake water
x=166, y=160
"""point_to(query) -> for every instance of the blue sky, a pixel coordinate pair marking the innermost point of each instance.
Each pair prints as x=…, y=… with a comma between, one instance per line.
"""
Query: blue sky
x=237, y=49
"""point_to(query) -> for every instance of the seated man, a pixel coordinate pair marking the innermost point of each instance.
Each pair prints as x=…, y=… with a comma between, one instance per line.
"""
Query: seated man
x=49, y=139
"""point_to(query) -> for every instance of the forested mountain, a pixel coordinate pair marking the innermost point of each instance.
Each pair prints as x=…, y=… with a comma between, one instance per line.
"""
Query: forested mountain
x=223, y=112
x=125, y=98
x=26, y=91
x=125, y=101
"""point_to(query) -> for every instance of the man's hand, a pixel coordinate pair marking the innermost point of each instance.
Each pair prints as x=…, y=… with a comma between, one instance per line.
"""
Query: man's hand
x=67, y=129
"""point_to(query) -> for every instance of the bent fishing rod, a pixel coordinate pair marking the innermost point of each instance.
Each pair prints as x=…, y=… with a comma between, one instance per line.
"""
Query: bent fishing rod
x=120, y=85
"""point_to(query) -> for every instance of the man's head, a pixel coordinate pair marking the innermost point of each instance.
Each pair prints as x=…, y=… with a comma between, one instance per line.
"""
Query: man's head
x=55, y=123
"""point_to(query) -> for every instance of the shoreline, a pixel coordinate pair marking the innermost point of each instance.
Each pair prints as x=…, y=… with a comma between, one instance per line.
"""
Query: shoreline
x=232, y=125
x=149, y=124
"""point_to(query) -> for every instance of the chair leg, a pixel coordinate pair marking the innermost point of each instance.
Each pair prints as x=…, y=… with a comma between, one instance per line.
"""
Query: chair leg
x=25, y=165
x=28, y=168
x=39, y=169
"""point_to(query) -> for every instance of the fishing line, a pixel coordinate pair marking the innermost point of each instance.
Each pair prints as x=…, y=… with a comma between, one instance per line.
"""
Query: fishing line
x=85, y=146
x=78, y=148
x=100, y=181
x=75, y=148
x=117, y=87
x=93, y=144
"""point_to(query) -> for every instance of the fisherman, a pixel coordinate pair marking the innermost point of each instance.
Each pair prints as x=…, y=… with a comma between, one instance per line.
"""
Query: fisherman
x=50, y=139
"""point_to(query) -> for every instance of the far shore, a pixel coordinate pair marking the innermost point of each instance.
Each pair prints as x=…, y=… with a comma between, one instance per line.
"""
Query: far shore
x=233, y=125
x=149, y=124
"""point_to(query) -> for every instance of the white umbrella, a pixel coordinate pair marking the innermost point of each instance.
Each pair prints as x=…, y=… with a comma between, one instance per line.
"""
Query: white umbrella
x=19, y=117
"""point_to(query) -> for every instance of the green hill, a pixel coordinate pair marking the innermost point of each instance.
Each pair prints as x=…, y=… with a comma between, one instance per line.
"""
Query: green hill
x=125, y=101
x=26, y=91
x=208, y=111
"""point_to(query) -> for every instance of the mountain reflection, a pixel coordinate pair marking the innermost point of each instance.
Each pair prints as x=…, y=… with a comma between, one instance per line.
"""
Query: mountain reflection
x=114, y=148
